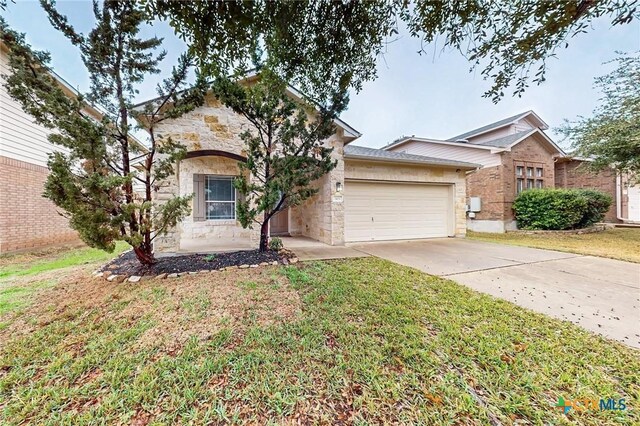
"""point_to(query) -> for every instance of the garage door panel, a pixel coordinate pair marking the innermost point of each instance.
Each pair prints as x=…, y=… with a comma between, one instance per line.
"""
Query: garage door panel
x=376, y=211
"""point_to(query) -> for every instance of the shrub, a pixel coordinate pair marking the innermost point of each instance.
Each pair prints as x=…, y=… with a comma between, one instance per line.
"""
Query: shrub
x=558, y=209
x=275, y=243
x=598, y=204
x=552, y=209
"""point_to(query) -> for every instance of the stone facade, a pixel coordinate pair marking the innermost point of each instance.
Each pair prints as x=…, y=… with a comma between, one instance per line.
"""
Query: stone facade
x=27, y=219
x=366, y=170
x=227, y=230
x=216, y=127
x=322, y=216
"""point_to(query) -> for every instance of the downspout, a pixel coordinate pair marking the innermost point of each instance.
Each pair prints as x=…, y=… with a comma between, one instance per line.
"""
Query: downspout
x=619, y=198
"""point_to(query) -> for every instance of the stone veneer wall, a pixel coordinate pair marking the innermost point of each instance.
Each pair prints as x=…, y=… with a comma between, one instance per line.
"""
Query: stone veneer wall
x=216, y=127
x=357, y=169
x=211, y=230
x=322, y=216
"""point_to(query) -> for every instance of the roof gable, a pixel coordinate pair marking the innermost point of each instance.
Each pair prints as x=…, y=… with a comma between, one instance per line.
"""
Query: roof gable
x=529, y=115
x=350, y=134
x=507, y=142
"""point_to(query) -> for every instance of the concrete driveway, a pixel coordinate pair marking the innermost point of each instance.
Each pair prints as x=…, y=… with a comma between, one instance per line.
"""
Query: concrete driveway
x=601, y=295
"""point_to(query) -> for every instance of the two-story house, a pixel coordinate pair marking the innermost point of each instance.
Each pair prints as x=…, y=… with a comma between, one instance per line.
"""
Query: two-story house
x=516, y=155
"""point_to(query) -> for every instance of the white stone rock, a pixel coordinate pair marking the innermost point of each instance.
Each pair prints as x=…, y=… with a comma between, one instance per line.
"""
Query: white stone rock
x=174, y=275
x=134, y=278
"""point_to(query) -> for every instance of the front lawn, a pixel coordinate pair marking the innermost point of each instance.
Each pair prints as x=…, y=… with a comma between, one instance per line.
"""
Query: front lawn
x=31, y=263
x=617, y=243
x=361, y=341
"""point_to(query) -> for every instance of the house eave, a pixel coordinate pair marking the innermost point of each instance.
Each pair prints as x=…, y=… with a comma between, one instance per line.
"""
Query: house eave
x=439, y=142
x=446, y=164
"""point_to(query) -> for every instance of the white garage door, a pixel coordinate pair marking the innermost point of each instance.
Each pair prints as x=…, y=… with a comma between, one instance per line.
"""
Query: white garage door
x=377, y=211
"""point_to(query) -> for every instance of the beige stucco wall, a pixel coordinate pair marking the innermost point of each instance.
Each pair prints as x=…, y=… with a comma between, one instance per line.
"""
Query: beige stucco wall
x=357, y=169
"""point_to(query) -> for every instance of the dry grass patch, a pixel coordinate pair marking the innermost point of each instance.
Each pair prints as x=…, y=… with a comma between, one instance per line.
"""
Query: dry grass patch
x=199, y=305
x=618, y=243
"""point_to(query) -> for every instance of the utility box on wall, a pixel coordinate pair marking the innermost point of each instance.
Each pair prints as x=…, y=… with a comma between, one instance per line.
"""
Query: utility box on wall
x=475, y=204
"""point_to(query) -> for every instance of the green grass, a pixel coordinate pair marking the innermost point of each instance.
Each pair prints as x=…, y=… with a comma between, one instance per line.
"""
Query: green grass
x=373, y=343
x=31, y=264
x=14, y=297
x=618, y=243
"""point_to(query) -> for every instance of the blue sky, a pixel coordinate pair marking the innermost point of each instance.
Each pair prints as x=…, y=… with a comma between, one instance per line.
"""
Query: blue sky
x=431, y=95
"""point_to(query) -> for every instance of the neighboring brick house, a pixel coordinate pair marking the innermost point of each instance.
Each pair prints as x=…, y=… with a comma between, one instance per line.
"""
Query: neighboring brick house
x=516, y=155
x=572, y=172
x=27, y=219
x=371, y=195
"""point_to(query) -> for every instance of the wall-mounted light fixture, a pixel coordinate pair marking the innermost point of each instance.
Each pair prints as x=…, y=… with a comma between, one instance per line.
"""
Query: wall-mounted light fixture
x=338, y=186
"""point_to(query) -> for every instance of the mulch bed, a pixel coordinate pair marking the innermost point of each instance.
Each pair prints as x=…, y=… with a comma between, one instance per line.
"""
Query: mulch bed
x=128, y=264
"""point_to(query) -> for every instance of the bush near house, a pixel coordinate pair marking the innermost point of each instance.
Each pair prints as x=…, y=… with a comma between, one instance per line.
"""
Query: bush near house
x=558, y=209
x=598, y=204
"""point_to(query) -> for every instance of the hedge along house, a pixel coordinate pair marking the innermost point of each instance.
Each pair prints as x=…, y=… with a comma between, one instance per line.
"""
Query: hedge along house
x=370, y=195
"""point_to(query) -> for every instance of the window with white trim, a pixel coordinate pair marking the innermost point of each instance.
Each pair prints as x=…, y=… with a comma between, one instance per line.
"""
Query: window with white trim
x=528, y=176
x=219, y=197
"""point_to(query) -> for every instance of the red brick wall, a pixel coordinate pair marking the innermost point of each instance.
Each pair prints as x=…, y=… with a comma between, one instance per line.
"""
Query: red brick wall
x=487, y=183
x=27, y=219
x=574, y=174
x=531, y=152
x=496, y=186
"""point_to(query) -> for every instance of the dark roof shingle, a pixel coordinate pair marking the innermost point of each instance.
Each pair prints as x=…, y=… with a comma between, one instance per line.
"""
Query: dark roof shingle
x=355, y=151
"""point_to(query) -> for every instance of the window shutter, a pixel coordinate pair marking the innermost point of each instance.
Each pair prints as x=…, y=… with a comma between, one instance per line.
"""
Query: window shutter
x=198, y=198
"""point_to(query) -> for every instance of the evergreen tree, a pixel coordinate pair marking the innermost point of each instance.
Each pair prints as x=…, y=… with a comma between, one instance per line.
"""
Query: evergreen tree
x=285, y=146
x=94, y=174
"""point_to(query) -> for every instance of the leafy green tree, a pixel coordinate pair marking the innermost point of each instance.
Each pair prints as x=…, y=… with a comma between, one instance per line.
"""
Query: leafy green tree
x=320, y=45
x=285, y=149
x=611, y=136
x=95, y=174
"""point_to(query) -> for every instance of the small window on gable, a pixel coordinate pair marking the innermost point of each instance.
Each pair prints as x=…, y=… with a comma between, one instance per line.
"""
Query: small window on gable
x=539, y=183
x=530, y=184
x=519, y=185
x=529, y=171
x=519, y=171
x=539, y=172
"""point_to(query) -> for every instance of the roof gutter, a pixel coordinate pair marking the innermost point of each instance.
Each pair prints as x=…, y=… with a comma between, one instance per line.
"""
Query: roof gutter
x=452, y=164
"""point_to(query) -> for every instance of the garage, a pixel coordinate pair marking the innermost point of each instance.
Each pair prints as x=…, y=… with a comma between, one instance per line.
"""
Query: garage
x=382, y=211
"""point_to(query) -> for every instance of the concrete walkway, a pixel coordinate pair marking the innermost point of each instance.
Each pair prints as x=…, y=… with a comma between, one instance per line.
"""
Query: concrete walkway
x=309, y=249
x=601, y=295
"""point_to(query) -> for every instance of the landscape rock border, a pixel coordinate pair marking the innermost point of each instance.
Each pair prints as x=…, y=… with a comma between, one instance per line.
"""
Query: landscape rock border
x=120, y=278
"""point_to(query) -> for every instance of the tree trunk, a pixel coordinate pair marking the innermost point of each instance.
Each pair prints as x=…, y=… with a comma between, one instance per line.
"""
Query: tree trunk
x=144, y=255
x=264, y=236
